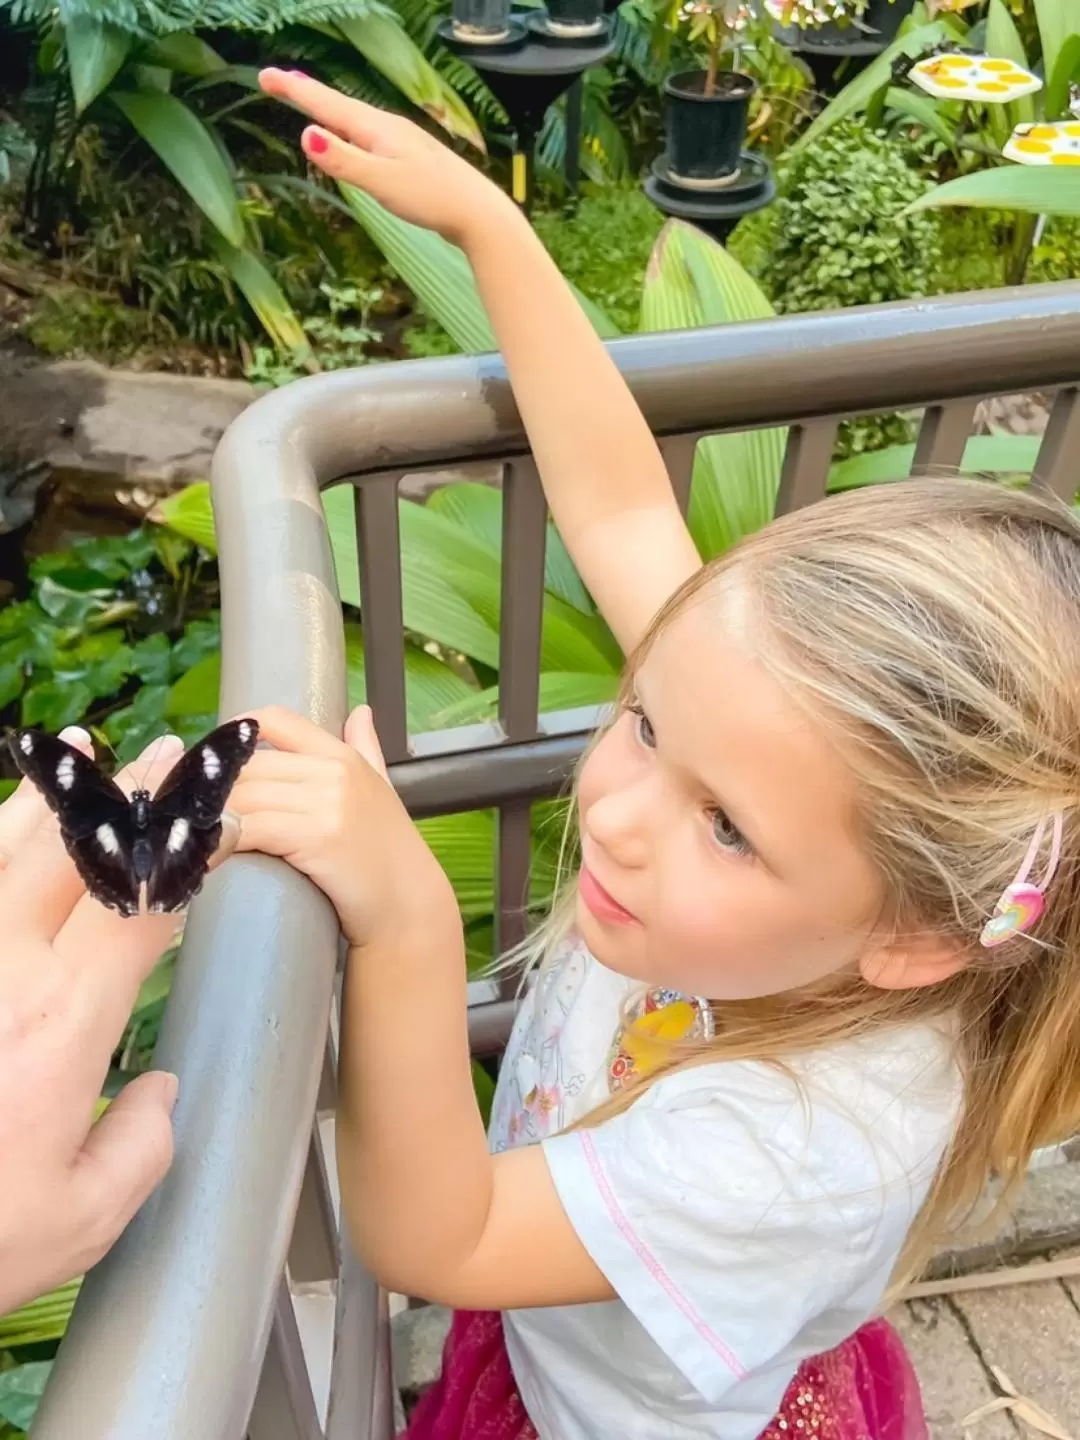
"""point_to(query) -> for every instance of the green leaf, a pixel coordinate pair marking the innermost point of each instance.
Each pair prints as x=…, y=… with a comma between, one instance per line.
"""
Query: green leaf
x=187, y=149
x=1065, y=72
x=39, y=1321
x=130, y=730
x=190, y=514
x=8, y=787
x=20, y=1391
x=1057, y=21
x=440, y=277
x=478, y=509
x=691, y=281
x=559, y=690
x=12, y=679
x=383, y=42
x=1003, y=40
x=52, y=704
x=928, y=113
x=431, y=686
x=151, y=659
x=267, y=299
x=200, y=638
x=484, y=1086
x=983, y=455
x=856, y=95
x=196, y=692
x=186, y=54
x=1034, y=189
x=96, y=52
x=435, y=271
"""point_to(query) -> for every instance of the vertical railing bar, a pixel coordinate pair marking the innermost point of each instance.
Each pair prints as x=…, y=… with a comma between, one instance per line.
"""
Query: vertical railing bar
x=512, y=864
x=284, y=1406
x=361, y=1405
x=313, y=1250
x=807, y=458
x=678, y=452
x=1057, y=468
x=524, y=544
x=327, y=1098
x=943, y=436
x=378, y=541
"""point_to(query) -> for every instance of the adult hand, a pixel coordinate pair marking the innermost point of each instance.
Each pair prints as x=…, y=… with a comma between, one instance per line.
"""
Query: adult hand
x=70, y=971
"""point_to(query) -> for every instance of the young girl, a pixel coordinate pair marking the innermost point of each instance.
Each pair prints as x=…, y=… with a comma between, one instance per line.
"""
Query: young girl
x=817, y=976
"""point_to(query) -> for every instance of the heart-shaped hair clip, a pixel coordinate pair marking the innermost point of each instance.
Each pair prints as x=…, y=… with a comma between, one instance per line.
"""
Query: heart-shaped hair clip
x=1023, y=902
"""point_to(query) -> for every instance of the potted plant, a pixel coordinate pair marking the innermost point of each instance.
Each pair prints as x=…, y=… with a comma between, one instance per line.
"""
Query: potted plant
x=842, y=22
x=481, y=22
x=707, y=110
x=569, y=18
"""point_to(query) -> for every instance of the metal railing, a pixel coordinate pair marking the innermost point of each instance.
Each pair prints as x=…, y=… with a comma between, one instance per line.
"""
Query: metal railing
x=189, y=1328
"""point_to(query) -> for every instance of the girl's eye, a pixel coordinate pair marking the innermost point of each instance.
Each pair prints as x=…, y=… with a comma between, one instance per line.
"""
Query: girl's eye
x=642, y=724
x=729, y=836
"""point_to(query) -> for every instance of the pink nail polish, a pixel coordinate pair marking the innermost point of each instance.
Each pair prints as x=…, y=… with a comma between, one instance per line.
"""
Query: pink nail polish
x=317, y=144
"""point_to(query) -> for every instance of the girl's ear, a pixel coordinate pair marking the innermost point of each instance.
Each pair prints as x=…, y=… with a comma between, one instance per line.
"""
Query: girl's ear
x=912, y=961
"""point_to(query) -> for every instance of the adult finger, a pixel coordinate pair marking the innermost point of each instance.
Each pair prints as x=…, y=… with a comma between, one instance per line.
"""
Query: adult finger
x=125, y=1156
x=365, y=125
x=42, y=874
x=25, y=810
x=360, y=735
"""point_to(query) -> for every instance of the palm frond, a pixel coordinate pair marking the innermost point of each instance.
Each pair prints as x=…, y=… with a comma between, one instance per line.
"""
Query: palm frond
x=149, y=18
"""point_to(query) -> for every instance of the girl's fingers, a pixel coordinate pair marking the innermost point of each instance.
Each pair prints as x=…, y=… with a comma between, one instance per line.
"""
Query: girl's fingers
x=364, y=125
x=280, y=797
x=286, y=730
x=360, y=735
x=342, y=161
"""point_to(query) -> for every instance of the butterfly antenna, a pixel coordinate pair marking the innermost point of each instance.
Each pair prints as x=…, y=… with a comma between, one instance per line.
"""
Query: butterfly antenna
x=150, y=761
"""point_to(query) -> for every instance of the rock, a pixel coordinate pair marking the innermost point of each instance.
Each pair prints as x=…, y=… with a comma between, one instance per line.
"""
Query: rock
x=154, y=432
x=92, y=432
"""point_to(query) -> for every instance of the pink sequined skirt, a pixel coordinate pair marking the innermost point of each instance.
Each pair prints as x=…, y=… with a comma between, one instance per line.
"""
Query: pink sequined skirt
x=865, y=1389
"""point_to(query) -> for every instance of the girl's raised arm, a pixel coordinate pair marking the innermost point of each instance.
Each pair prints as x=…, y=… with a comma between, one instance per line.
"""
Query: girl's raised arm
x=602, y=472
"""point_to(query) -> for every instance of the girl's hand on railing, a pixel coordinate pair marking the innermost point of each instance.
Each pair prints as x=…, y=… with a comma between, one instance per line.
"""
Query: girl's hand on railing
x=327, y=807
x=396, y=162
x=69, y=974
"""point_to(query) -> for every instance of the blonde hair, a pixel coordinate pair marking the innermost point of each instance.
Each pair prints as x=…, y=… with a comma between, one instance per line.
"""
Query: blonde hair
x=935, y=626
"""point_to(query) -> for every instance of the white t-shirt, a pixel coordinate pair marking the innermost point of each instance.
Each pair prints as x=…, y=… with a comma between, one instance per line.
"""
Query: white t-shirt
x=745, y=1222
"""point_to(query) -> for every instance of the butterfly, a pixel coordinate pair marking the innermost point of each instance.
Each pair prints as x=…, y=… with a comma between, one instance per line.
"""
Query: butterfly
x=130, y=849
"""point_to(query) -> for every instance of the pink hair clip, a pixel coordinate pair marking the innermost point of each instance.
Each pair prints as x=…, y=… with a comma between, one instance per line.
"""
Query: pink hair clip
x=1022, y=902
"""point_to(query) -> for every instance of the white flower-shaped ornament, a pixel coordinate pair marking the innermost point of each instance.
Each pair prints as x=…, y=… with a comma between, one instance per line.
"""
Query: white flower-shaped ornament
x=974, y=77
x=1051, y=143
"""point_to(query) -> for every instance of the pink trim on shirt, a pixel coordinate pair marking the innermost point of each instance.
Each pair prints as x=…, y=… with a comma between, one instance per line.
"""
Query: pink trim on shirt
x=651, y=1263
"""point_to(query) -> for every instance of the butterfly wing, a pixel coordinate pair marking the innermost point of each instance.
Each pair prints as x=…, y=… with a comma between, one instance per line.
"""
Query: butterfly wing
x=185, y=814
x=94, y=815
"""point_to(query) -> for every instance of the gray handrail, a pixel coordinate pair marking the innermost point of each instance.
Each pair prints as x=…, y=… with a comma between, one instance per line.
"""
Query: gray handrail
x=168, y=1334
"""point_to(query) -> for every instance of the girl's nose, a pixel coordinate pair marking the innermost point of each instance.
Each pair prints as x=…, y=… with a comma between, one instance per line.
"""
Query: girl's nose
x=622, y=823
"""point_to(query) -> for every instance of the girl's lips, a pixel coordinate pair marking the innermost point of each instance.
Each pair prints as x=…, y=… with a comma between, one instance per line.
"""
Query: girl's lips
x=599, y=903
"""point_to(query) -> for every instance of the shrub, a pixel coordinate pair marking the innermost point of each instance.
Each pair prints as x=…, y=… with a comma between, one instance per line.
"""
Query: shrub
x=837, y=234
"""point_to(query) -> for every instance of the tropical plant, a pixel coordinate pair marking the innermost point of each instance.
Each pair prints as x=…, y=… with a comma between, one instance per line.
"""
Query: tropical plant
x=106, y=637
x=1010, y=151
x=144, y=68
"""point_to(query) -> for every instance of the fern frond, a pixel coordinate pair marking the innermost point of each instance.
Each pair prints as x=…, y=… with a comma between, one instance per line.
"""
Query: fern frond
x=149, y=18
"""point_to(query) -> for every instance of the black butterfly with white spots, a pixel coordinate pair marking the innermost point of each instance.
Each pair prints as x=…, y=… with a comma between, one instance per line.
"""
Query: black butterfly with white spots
x=123, y=847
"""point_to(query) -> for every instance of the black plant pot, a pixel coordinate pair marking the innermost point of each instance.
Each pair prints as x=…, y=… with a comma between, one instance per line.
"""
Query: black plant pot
x=570, y=17
x=881, y=20
x=481, y=21
x=705, y=133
